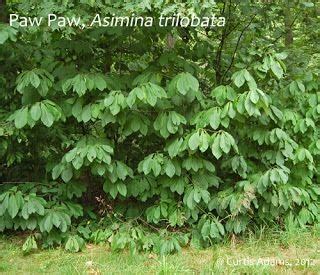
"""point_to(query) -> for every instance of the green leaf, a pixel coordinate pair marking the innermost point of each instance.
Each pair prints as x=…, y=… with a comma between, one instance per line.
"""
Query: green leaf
x=71, y=155
x=77, y=162
x=122, y=188
x=215, y=119
x=29, y=245
x=100, y=82
x=3, y=36
x=186, y=82
x=113, y=191
x=276, y=69
x=170, y=169
x=254, y=97
x=204, y=141
x=174, y=147
x=13, y=206
x=225, y=143
x=35, y=112
x=67, y=174
x=46, y=117
x=194, y=141
x=21, y=118
x=92, y=154
x=34, y=79
x=56, y=171
x=86, y=113
x=238, y=78
x=215, y=147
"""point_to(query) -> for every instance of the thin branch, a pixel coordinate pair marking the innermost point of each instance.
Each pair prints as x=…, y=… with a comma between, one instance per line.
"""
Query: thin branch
x=283, y=33
x=224, y=36
x=237, y=46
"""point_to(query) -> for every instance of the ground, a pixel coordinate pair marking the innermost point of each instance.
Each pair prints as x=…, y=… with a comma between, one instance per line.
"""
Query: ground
x=269, y=252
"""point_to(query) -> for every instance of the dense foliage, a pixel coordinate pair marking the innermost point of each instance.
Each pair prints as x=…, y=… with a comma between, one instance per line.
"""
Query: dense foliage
x=152, y=138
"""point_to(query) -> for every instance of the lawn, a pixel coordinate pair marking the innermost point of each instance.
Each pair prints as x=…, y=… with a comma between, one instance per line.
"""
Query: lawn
x=269, y=252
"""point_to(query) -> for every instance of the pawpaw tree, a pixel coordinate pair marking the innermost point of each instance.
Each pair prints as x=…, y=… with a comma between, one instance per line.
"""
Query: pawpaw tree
x=130, y=134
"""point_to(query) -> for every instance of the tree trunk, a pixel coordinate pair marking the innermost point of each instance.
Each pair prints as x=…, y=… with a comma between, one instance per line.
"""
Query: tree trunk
x=288, y=22
x=3, y=11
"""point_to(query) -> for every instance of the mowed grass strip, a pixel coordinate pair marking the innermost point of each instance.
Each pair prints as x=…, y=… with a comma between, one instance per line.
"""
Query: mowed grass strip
x=268, y=252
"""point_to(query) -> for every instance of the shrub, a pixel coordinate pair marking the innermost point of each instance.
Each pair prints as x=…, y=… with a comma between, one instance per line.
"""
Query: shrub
x=114, y=124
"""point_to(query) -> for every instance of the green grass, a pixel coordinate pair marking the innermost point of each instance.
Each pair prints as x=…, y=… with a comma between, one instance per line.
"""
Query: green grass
x=290, y=252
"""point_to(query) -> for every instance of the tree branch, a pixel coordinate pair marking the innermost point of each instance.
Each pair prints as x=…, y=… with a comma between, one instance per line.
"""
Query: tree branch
x=237, y=46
